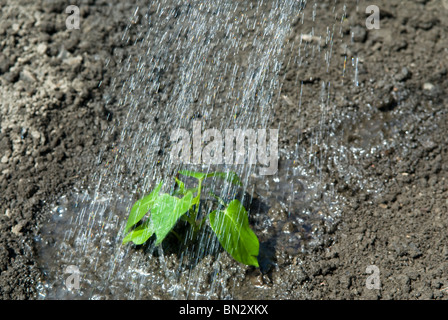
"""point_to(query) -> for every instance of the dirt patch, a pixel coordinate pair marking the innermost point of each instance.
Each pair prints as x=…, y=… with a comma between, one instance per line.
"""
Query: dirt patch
x=377, y=109
x=52, y=118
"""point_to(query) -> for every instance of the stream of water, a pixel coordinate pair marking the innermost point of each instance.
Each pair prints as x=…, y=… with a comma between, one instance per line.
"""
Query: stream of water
x=217, y=62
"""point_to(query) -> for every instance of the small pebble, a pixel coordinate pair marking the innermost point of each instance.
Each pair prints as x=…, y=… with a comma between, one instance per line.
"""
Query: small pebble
x=359, y=34
x=16, y=229
x=428, y=86
x=16, y=27
x=288, y=227
x=405, y=74
x=41, y=48
x=35, y=134
x=28, y=76
x=73, y=61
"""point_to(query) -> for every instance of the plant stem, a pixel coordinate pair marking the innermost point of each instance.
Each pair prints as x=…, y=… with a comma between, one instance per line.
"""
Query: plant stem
x=198, y=196
x=196, y=202
x=194, y=213
x=177, y=235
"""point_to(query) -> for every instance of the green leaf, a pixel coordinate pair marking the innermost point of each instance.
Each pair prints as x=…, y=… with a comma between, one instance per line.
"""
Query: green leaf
x=234, y=233
x=141, y=207
x=197, y=175
x=230, y=176
x=166, y=211
x=140, y=234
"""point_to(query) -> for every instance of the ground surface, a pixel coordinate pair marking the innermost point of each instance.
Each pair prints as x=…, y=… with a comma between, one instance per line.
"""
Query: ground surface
x=394, y=196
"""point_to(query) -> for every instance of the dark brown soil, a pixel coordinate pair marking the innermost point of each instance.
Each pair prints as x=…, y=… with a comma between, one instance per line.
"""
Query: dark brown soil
x=56, y=103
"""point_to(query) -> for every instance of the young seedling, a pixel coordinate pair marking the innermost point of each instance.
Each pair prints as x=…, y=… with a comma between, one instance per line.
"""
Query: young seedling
x=229, y=221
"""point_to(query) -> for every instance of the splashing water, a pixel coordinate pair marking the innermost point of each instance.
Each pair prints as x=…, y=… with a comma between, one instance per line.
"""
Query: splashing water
x=218, y=62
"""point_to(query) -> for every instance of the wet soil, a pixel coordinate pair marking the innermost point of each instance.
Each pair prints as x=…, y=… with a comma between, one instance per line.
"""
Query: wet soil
x=371, y=124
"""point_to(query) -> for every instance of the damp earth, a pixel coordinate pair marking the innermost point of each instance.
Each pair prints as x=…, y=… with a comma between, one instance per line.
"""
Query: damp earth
x=362, y=180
